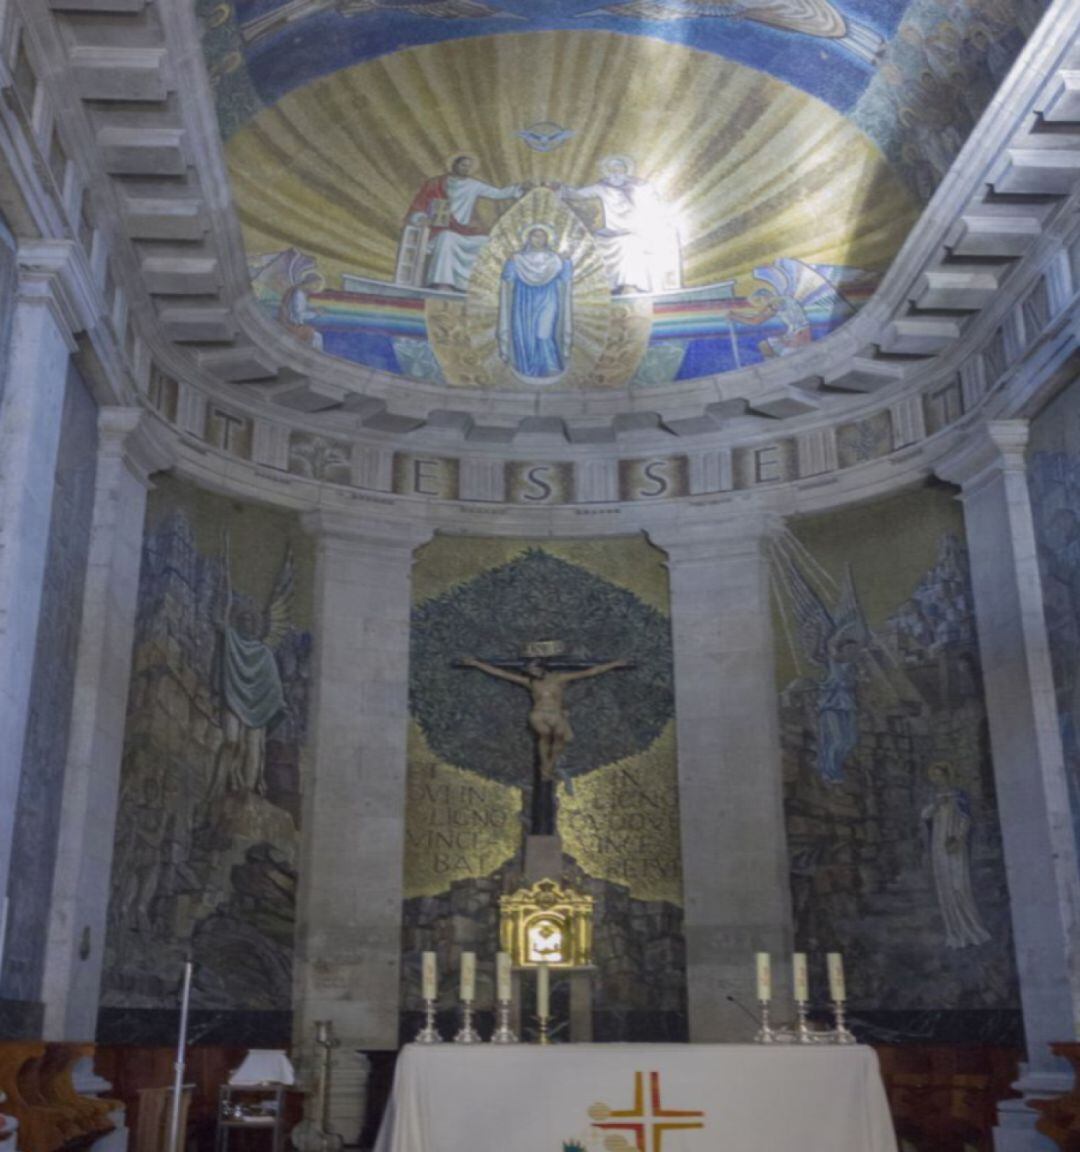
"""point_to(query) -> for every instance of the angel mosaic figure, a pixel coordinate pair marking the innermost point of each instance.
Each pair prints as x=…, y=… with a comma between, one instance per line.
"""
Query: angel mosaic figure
x=251, y=689
x=833, y=640
x=948, y=818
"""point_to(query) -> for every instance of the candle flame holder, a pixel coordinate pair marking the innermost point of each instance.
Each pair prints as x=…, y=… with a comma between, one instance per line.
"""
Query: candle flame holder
x=503, y=1033
x=467, y=1034
x=429, y=1034
x=766, y=1034
x=803, y=1034
x=841, y=1034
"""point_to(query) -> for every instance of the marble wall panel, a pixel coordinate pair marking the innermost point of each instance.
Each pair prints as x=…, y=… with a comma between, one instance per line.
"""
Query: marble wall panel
x=37, y=814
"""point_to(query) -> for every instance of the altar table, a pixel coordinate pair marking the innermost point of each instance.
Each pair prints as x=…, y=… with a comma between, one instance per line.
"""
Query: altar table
x=636, y=1098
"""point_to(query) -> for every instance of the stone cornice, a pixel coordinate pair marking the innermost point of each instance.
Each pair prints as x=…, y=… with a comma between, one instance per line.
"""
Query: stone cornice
x=132, y=435
x=993, y=447
x=56, y=273
x=361, y=530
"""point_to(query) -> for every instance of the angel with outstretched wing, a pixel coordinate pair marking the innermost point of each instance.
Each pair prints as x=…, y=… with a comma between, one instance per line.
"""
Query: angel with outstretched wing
x=834, y=641
x=818, y=18
x=251, y=690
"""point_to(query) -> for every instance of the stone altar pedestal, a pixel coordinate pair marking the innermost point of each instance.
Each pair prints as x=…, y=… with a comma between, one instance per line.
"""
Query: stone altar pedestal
x=543, y=858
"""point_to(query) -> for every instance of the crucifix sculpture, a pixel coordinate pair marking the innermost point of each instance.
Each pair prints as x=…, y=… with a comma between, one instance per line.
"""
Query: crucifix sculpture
x=544, y=672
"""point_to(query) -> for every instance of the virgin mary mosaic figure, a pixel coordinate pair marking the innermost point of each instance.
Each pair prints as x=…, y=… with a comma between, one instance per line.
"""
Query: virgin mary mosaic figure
x=535, y=308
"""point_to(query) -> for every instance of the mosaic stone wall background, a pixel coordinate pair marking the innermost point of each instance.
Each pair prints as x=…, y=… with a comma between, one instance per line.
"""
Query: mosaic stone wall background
x=891, y=818
x=208, y=826
x=471, y=758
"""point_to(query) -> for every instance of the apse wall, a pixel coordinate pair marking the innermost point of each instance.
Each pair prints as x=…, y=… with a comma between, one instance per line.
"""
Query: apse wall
x=893, y=835
x=208, y=825
x=471, y=762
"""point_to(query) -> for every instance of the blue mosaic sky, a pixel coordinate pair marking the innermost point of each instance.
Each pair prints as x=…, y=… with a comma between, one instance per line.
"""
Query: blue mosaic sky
x=328, y=41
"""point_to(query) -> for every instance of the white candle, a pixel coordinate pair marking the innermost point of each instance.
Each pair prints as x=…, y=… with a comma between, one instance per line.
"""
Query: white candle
x=837, y=990
x=543, y=991
x=468, y=976
x=427, y=972
x=502, y=976
x=764, y=978
x=802, y=981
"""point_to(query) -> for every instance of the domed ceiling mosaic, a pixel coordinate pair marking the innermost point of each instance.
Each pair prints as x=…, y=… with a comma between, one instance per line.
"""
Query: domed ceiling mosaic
x=572, y=194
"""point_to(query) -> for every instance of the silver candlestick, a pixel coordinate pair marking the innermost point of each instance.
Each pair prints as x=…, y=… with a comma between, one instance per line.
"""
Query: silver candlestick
x=802, y=1032
x=503, y=1033
x=765, y=1034
x=841, y=1035
x=429, y=1034
x=467, y=1034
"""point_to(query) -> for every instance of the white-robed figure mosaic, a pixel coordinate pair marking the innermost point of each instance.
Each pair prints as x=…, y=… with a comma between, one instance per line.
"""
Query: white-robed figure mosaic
x=637, y=237
x=948, y=815
x=446, y=206
x=535, y=330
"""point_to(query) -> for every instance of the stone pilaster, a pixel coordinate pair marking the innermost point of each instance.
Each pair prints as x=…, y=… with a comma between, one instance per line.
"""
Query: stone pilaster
x=351, y=881
x=128, y=453
x=1029, y=769
x=735, y=871
x=53, y=306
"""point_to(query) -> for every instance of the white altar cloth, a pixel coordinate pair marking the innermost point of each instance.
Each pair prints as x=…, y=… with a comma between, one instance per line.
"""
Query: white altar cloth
x=636, y=1098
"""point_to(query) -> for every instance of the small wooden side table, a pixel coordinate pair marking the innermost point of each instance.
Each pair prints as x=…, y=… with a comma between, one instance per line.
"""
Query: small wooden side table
x=262, y=1108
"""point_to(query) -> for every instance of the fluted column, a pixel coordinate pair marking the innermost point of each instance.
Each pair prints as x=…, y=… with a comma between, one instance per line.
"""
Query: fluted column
x=52, y=307
x=351, y=879
x=735, y=871
x=1029, y=768
x=128, y=452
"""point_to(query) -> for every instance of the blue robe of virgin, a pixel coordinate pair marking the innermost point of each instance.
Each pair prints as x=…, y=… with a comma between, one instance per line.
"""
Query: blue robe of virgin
x=534, y=313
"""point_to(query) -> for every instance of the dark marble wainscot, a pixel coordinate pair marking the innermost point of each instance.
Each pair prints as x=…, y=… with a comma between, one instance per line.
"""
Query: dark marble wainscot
x=148, y=1027
x=21, y=1019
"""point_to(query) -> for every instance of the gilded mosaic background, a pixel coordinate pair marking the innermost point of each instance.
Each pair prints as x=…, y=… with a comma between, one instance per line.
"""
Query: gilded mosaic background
x=471, y=763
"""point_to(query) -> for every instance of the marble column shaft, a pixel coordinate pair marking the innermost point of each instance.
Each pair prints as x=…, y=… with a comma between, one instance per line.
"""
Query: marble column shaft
x=127, y=455
x=1029, y=769
x=29, y=439
x=351, y=879
x=735, y=872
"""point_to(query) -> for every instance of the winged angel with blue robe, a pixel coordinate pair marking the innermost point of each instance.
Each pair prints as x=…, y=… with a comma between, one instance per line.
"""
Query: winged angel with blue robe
x=834, y=641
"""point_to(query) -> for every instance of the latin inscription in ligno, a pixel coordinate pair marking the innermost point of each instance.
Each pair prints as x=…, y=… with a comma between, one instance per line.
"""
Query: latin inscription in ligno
x=458, y=824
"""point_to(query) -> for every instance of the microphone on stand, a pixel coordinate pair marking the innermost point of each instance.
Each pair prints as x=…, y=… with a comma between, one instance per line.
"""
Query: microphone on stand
x=739, y=1004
